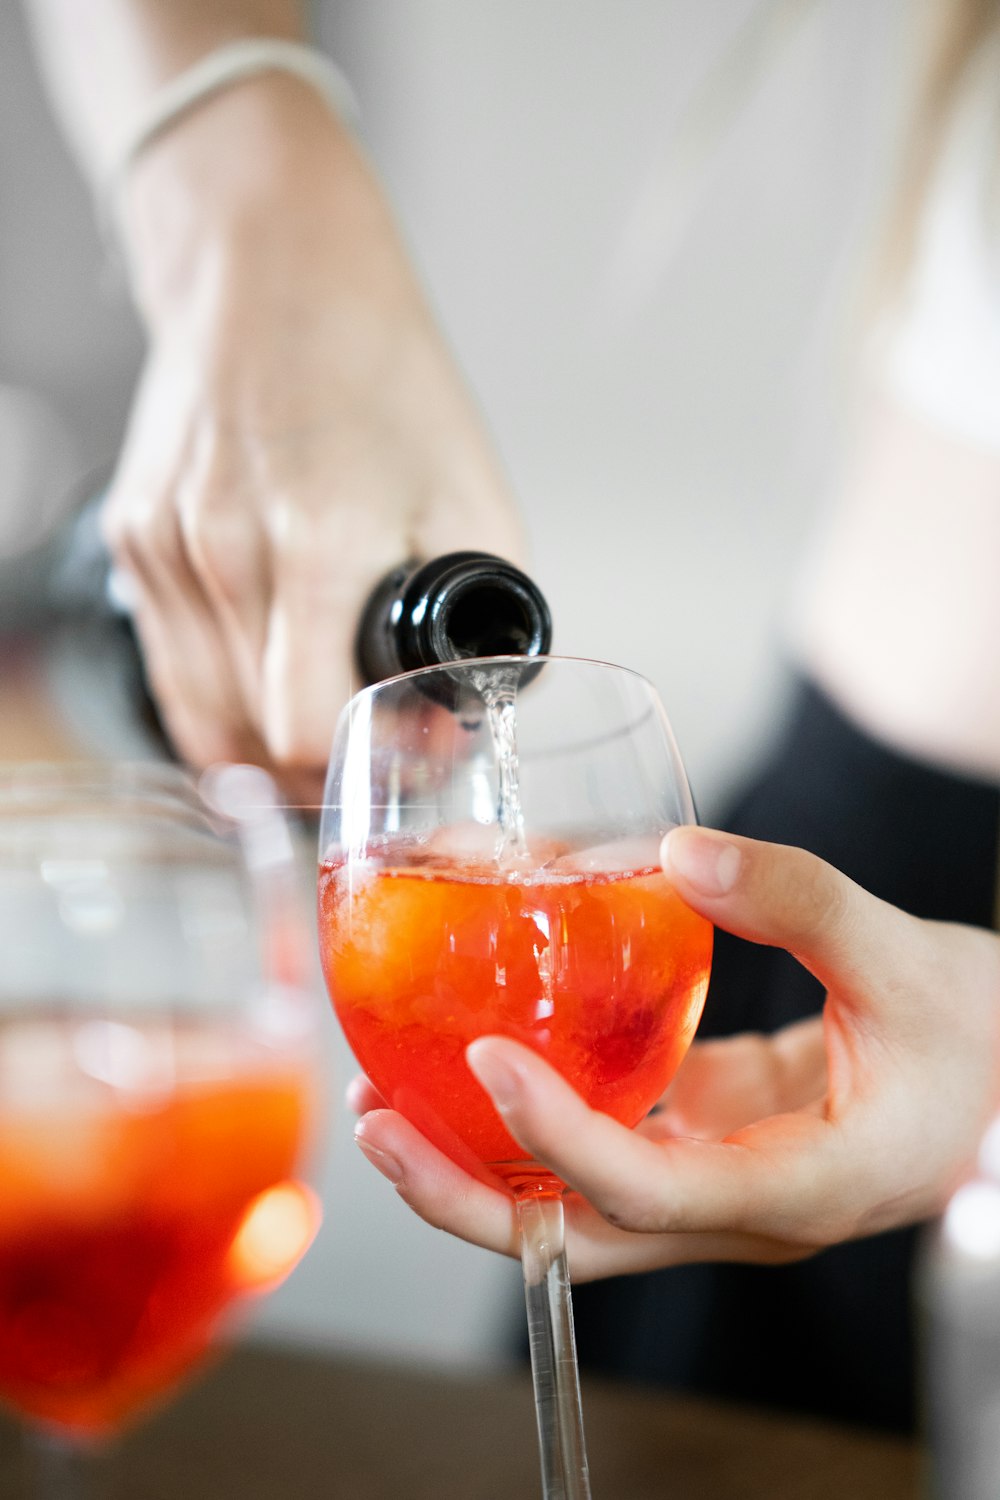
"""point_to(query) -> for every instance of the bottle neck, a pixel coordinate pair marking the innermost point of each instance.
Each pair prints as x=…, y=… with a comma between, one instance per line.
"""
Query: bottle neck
x=453, y=608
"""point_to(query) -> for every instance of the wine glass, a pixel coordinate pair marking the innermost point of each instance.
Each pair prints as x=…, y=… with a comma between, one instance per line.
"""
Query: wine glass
x=489, y=864
x=157, y=1086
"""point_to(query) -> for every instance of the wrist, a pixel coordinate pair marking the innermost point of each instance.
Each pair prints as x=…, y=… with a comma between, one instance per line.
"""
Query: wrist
x=243, y=166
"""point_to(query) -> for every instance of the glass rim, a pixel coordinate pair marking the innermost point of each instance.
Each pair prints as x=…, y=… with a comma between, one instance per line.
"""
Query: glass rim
x=638, y=694
x=126, y=773
x=448, y=668
x=54, y=804
x=77, y=788
x=22, y=782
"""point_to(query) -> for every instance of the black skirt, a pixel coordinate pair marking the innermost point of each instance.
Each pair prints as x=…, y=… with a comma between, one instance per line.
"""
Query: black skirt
x=833, y=1335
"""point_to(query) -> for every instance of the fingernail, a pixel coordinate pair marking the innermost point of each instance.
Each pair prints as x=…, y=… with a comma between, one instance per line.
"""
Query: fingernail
x=390, y=1166
x=705, y=859
x=502, y=1081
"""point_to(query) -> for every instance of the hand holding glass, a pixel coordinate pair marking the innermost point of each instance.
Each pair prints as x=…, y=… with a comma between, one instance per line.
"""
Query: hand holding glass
x=490, y=865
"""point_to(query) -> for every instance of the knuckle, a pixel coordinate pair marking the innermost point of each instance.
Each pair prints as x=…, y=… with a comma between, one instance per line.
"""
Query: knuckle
x=207, y=525
x=303, y=575
x=431, y=1213
x=640, y=1213
x=140, y=526
x=220, y=540
x=817, y=898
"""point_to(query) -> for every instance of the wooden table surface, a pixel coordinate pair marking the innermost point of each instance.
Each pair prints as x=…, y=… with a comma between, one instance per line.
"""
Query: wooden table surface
x=270, y=1425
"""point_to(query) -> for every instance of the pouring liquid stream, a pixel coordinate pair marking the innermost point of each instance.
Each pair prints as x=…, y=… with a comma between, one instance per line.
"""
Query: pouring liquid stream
x=499, y=699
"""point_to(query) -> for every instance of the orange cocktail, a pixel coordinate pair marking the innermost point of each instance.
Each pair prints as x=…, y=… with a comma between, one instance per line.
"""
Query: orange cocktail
x=603, y=973
x=148, y=1179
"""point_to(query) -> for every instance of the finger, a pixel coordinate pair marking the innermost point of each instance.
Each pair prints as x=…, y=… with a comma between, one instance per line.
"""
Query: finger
x=177, y=514
x=787, y=898
x=778, y=1178
x=595, y=1248
x=474, y=514
x=201, y=712
x=724, y=1085
x=225, y=550
x=322, y=577
x=442, y=1193
x=483, y=1214
x=186, y=661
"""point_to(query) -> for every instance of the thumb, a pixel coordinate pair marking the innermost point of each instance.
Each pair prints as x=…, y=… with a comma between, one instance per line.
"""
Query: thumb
x=787, y=898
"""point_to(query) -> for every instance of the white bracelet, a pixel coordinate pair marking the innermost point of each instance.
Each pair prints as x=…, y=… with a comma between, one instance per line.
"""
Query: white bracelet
x=217, y=70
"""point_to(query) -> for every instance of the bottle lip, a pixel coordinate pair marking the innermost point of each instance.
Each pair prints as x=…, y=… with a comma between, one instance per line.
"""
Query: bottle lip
x=435, y=633
x=433, y=598
x=526, y=663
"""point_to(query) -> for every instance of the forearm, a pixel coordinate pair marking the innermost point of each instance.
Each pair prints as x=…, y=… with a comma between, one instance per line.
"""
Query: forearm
x=300, y=425
x=263, y=157
x=104, y=59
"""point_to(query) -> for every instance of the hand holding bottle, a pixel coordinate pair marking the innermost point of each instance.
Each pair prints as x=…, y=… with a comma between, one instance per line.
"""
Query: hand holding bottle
x=299, y=427
x=766, y=1148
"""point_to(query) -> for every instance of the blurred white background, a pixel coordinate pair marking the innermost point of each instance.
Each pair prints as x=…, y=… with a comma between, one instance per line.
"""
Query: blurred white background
x=660, y=344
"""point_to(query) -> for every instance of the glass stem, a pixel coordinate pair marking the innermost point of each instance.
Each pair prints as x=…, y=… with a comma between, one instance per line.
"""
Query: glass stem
x=553, y=1350
x=61, y=1467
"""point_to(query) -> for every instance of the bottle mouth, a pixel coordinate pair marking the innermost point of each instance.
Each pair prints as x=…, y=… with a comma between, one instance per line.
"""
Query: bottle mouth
x=460, y=607
x=474, y=619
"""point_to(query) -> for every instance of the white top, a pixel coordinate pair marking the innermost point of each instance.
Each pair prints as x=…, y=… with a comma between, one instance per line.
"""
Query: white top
x=940, y=355
x=898, y=613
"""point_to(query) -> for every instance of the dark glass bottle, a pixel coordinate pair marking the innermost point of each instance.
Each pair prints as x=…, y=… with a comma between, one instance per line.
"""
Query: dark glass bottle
x=61, y=604
x=451, y=608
